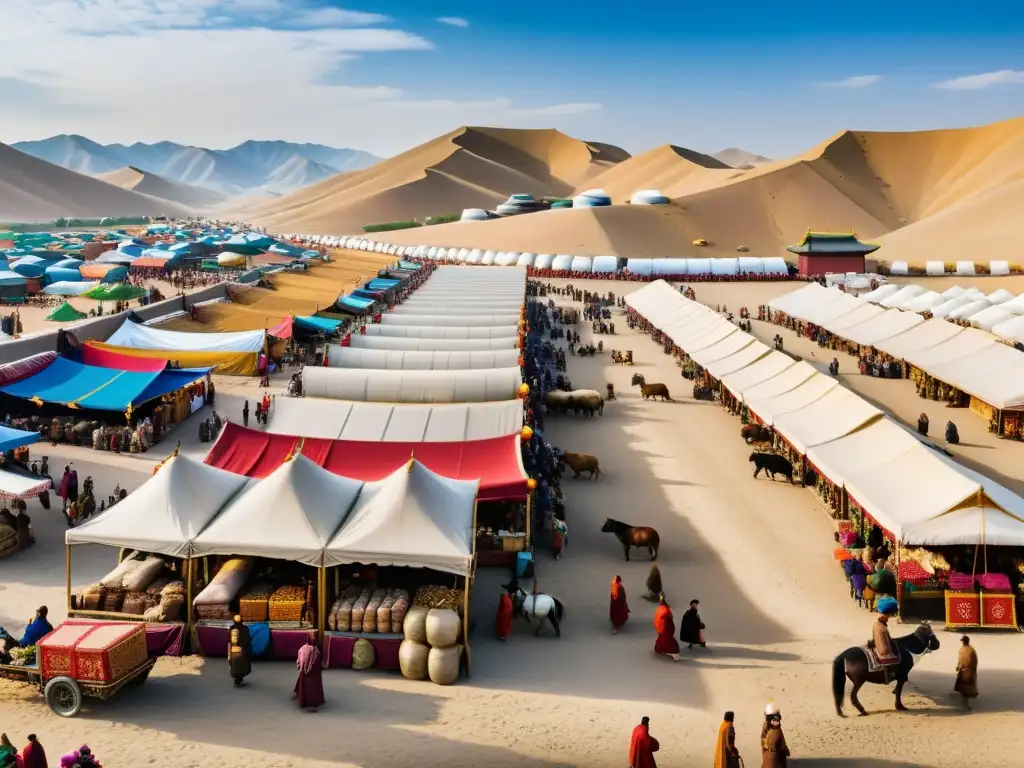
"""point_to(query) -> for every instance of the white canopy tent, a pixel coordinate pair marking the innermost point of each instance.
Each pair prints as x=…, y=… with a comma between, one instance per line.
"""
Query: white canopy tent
x=792, y=377
x=955, y=349
x=769, y=409
x=397, y=360
x=166, y=513
x=358, y=341
x=834, y=415
x=989, y=318
x=795, y=302
x=768, y=367
x=738, y=361
x=387, y=423
x=413, y=518
x=451, y=321
x=833, y=308
x=363, y=385
x=1011, y=329
x=883, y=326
x=925, y=302
x=443, y=332
x=994, y=374
x=903, y=296
x=726, y=347
x=881, y=292
x=289, y=515
x=863, y=313
x=139, y=336
x=921, y=337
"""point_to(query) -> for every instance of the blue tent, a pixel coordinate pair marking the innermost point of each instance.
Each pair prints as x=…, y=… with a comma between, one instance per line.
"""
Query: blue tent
x=66, y=382
x=65, y=270
x=316, y=324
x=383, y=284
x=356, y=304
x=131, y=249
x=287, y=249
x=116, y=257
x=15, y=438
x=32, y=266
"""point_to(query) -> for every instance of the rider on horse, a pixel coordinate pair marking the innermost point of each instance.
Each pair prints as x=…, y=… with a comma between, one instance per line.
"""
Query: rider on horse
x=881, y=640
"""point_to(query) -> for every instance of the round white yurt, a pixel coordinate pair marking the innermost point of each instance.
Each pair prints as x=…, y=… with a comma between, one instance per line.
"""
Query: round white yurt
x=475, y=214
x=649, y=197
x=592, y=198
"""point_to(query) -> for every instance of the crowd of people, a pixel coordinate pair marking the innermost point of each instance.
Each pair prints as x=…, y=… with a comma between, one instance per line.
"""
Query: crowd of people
x=32, y=755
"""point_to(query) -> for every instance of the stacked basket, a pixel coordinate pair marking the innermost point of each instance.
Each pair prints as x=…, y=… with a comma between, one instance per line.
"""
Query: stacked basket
x=430, y=646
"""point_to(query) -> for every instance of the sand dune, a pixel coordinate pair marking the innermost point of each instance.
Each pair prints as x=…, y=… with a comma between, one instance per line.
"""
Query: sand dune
x=35, y=190
x=741, y=158
x=468, y=168
x=156, y=186
x=931, y=195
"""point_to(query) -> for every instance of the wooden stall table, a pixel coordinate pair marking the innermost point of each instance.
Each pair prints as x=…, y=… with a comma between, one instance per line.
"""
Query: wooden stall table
x=337, y=649
x=285, y=641
x=990, y=610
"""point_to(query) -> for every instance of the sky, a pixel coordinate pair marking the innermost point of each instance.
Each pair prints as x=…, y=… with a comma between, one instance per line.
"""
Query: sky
x=771, y=78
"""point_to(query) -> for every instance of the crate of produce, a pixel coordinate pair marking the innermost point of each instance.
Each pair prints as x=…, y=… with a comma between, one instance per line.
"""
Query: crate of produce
x=254, y=605
x=287, y=604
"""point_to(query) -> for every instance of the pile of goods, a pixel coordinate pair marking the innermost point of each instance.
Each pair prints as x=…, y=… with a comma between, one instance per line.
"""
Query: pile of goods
x=214, y=602
x=921, y=569
x=254, y=605
x=438, y=597
x=143, y=587
x=23, y=657
x=430, y=648
x=369, y=609
x=287, y=604
x=8, y=540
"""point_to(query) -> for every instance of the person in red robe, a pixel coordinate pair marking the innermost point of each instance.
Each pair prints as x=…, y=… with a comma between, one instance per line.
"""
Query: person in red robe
x=643, y=746
x=33, y=755
x=665, y=626
x=618, y=610
x=309, y=688
x=504, y=623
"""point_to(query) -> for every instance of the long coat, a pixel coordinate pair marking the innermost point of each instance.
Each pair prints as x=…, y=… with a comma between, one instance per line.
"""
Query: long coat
x=239, y=651
x=967, y=672
x=774, y=752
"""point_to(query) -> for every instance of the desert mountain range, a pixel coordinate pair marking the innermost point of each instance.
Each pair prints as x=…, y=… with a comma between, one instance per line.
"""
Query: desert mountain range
x=930, y=195
x=253, y=167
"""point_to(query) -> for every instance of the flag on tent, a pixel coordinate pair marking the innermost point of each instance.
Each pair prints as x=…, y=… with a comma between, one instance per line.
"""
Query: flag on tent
x=65, y=313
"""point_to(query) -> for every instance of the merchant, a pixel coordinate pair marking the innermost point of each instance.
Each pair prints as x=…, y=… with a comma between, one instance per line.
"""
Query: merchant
x=239, y=651
x=884, y=647
x=37, y=629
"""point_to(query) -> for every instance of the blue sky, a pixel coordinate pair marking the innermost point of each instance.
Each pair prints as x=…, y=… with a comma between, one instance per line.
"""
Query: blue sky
x=384, y=76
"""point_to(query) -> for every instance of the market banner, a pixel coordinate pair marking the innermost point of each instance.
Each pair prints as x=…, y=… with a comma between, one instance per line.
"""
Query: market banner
x=998, y=610
x=963, y=609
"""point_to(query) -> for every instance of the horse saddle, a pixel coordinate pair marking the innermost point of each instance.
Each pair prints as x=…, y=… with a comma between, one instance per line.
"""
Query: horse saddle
x=878, y=663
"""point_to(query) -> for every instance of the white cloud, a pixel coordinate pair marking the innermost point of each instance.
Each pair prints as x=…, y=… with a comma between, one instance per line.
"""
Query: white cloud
x=982, y=81
x=216, y=72
x=336, y=17
x=454, y=21
x=857, y=81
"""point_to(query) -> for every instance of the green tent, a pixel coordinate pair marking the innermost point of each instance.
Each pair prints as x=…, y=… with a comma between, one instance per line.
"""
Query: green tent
x=65, y=313
x=119, y=292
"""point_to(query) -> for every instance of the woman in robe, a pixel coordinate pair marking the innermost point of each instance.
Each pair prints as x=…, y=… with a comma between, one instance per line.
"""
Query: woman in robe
x=503, y=625
x=967, y=672
x=665, y=626
x=309, y=688
x=239, y=651
x=774, y=752
x=33, y=755
x=642, y=746
x=8, y=753
x=726, y=754
x=618, y=610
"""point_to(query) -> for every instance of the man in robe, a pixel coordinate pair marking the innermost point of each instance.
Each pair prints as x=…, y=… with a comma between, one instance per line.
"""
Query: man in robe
x=774, y=752
x=882, y=642
x=726, y=754
x=239, y=651
x=618, y=610
x=33, y=755
x=37, y=629
x=967, y=672
x=309, y=688
x=665, y=626
x=503, y=627
x=691, y=628
x=642, y=746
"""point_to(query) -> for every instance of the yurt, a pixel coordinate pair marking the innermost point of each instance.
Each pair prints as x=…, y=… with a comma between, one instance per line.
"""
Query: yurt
x=474, y=214
x=649, y=197
x=592, y=198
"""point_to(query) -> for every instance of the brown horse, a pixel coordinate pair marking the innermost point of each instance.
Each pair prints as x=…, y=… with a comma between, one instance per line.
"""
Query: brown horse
x=755, y=433
x=633, y=536
x=648, y=391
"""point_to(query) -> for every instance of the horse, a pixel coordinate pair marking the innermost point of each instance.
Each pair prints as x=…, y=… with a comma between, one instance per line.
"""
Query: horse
x=649, y=390
x=539, y=605
x=853, y=663
x=633, y=536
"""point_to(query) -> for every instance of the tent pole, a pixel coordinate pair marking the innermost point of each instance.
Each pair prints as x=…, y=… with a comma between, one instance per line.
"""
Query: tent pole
x=67, y=575
x=321, y=601
x=465, y=627
x=529, y=526
x=189, y=567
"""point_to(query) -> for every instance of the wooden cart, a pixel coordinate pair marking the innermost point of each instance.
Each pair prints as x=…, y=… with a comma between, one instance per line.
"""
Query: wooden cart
x=94, y=659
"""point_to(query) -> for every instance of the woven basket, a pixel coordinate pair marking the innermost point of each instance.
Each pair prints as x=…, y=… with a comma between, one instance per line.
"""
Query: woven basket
x=287, y=604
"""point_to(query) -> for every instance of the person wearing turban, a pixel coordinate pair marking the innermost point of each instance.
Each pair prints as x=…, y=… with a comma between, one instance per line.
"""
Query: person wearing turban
x=884, y=647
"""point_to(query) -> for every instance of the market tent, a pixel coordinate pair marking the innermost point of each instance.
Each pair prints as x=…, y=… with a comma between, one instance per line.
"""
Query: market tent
x=955, y=350
x=1010, y=329
x=289, y=515
x=442, y=307
x=347, y=357
x=859, y=315
x=497, y=462
x=834, y=415
x=926, y=302
x=833, y=307
x=230, y=363
x=881, y=292
x=728, y=345
x=471, y=386
x=989, y=318
x=875, y=330
x=413, y=518
x=451, y=321
x=788, y=379
x=921, y=337
x=768, y=367
x=994, y=374
x=15, y=438
x=709, y=336
x=144, y=337
x=68, y=288
x=65, y=313
x=358, y=341
x=354, y=304
x=339, y=419
x=794, y=302
x=166, y=513
x=739, y=360
x=441, y=332
x=107, y=358
x=903, y=296
x=22, y=485
x=311, y=324
x=85, y=386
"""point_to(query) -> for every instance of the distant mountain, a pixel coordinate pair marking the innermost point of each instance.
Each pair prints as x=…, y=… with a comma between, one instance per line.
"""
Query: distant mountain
x=155, y=186
x=740, y=158
x=266, y=167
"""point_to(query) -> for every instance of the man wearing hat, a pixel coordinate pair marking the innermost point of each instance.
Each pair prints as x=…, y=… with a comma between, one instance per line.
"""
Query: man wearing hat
x=884, y=647
x=239, y=651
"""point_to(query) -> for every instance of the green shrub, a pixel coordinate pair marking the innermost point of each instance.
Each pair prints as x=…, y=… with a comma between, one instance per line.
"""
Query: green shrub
x=447, y=218
x=391, y=226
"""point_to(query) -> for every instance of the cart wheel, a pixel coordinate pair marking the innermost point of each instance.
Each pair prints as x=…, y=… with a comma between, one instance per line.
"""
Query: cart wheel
x=63, y=696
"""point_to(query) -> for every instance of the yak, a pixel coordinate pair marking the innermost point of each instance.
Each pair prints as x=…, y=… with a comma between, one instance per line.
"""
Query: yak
x=772, y=464
x=580, y=462
x=755, y=433
x=588, y=401
x=650, y=390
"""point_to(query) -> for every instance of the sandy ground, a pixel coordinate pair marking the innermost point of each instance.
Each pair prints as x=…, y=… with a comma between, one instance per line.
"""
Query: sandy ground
x=756, y=553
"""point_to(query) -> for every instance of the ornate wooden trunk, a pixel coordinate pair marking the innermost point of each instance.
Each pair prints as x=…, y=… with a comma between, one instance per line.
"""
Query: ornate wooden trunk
x=93, y=651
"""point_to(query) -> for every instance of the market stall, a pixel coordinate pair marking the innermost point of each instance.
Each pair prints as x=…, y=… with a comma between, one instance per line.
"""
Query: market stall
x=426, y=360
x=416, y=386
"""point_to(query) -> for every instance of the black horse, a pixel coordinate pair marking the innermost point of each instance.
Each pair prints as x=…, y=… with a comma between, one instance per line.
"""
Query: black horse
x=853, y=663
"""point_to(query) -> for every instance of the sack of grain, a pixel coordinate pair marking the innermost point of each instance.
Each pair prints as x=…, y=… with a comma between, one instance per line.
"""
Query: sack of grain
x=344, y=619
x=443, y=627
x=113, y=598
x=92, y=598
x=172, y=606
x=384, y=615
x=358, y=609
x=115, y=577
x=443, y=665
x=155, y=614
x=415, y=625
x=141, y=577
x=370, y=615
x=363, y=655
x=412, y=659
x=398, y=611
